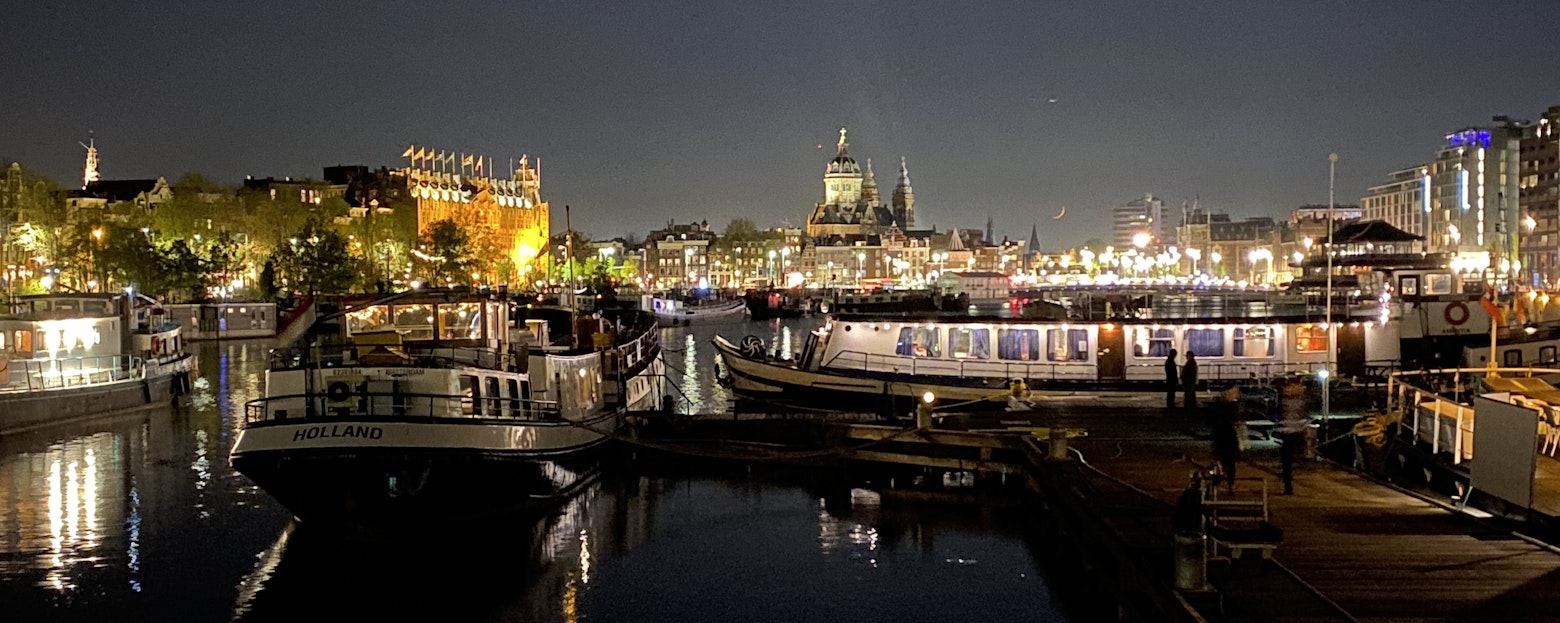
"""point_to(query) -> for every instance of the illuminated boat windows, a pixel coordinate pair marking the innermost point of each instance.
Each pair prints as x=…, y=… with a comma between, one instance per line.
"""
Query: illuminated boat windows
x=1310, y=338
x=1253, y=342
x=460, y=321
x=969, y=343
x=919, y=342
x=1205, y=342
x=1067, y=344
x=1018, y=344
x=1152, y=342
x=415, y=322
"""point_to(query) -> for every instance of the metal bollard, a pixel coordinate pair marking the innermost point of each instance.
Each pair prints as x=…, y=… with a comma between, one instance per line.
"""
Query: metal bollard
x=1191, y=561
x=1058, y=445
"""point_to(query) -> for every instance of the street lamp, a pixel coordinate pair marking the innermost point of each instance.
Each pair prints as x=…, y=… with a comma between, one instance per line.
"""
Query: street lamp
x=1141, y=239
x=1332, y=166
x=861, y=267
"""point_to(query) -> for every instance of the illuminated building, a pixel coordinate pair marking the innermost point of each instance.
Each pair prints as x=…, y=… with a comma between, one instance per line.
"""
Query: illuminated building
x=851, y=206
x=1473, y=186
x=1539, y=199
x=503, y=213
x=1402, y=202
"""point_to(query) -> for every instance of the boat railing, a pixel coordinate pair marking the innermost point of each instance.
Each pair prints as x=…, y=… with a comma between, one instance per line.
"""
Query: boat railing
x=341, y=355
x=399, y=406
x=29, y=375
x=1082, y=369
x=1417, y=399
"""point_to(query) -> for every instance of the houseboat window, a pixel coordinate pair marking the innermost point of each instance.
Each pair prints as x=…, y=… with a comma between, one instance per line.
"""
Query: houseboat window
x=1513, y=358
x=368, y=319
x=1067, y=344
x=415, y=322
x=22, y=342
x=1018, y=344
x=460, y=321
x=1254, y=342
x=919, y=342
x=1205, y=342
x=1310, y=338
x=1438, y=284
x=969, y=343
x=1152, y=342
x=514, y=398
x=1408, y=286
x=492, y=396
x=1546, y=354
x=470, y=393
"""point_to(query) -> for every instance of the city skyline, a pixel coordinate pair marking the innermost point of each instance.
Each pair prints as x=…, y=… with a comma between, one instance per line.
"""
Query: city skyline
x=648, y=114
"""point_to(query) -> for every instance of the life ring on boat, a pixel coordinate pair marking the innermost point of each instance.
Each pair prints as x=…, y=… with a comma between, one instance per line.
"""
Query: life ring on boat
x=1456, y=313
x=338, y=391
x=753, y=347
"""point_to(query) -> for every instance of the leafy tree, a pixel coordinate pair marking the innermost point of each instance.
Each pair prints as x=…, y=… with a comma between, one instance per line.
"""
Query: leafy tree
x=315, y=259
x=446, y=255
x=741, y=228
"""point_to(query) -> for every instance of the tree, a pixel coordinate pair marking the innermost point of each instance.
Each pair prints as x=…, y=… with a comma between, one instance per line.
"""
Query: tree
x=741, y=228
x=315, y=259
x=446, y=256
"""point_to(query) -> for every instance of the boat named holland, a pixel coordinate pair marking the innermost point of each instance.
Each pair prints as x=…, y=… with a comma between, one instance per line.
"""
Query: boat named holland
x=430, y=405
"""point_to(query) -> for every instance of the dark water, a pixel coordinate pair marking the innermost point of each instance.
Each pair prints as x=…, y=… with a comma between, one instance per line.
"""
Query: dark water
x=691, y=359
x=139, y=518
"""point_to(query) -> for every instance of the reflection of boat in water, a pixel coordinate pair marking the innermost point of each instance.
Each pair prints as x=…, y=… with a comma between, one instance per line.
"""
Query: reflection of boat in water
x=529, y=568
x=448, y=413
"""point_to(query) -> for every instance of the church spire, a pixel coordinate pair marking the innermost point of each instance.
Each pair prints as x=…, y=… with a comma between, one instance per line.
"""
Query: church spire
x=904, y=197
x=89, y=173
x=869, y=189
x=842, y=142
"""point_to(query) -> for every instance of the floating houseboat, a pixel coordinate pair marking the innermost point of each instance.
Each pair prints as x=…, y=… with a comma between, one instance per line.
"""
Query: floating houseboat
x=428, y=405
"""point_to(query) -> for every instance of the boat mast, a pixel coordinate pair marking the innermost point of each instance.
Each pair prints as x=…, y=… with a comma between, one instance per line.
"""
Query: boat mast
x=1332, y=166
x=568, y=241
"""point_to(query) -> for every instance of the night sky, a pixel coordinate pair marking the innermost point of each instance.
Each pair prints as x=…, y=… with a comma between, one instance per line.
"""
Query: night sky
x=643, y=112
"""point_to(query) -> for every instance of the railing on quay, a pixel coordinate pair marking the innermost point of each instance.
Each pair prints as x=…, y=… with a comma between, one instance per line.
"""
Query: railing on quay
x=48, y=374
x=399, y=405
x=1415, y=397
x=339, y=355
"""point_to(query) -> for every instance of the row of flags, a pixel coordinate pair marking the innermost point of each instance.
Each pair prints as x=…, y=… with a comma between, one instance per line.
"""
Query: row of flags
x=429, y=157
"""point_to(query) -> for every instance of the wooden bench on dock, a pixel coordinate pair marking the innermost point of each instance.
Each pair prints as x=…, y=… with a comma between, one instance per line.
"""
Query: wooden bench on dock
x=1237, y=518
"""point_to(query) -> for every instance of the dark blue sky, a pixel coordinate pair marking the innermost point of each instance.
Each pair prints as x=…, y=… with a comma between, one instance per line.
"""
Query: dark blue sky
x=643, y=112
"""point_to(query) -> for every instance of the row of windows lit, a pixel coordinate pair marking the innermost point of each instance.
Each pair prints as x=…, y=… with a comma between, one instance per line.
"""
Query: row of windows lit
x=1067, y=344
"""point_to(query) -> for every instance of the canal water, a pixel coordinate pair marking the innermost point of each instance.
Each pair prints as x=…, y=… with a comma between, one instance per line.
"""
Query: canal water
x=139, y=518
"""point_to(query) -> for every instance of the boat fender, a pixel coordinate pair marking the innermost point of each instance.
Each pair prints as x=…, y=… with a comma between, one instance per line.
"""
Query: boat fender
x=753, y=346
x=338, y=391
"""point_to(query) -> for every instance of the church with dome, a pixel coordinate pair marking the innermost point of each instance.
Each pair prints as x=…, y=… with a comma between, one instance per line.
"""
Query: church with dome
x=851, y=206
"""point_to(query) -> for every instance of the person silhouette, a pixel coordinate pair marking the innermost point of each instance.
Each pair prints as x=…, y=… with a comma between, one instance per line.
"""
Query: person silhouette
x=1172, y=379
x=1189, y=379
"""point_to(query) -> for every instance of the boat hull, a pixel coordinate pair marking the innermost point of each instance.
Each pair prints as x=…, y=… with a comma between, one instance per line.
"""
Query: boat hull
x=679, y=316
x=373, y=472
x=836, y=390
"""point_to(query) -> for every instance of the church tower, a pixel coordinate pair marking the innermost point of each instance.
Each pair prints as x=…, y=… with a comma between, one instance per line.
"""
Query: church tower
x=842, y=178
x=904, y=198
x=89, y=173
x=869, y=189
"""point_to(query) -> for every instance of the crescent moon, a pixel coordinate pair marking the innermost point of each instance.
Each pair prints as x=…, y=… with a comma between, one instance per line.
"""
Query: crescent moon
x=1060, y=214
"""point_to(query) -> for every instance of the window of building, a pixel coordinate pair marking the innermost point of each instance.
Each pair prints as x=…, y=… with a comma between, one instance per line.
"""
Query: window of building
x=1018, y=344
x=969, y=343
x=1310, y=338
x=1254, y=342
x=1546, y=354
x=1148, y=342
x=919, y=342
x=1067, y=344
x=1205, y=342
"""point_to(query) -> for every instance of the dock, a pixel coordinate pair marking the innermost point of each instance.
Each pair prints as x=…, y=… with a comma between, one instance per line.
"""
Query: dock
x=1353, y=549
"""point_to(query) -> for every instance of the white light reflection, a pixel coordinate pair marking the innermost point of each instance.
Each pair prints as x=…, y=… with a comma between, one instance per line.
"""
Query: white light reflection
x=585, y=556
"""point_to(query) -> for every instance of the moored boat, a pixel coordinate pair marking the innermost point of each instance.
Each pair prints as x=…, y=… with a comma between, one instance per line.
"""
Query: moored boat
x=674, y=312
x=429, y=405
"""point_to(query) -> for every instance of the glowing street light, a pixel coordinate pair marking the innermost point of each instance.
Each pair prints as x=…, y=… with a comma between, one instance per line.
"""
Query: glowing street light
x=1141, y=239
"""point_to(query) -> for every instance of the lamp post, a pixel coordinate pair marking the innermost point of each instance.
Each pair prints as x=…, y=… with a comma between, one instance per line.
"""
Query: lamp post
x=1332, y=166
x=861, y=267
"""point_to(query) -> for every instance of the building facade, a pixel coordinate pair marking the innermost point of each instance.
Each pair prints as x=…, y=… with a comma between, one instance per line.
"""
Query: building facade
x=1402, y=202
x=851, y=203
x=678, y=257
x=1146, y=215
x=1538, y=199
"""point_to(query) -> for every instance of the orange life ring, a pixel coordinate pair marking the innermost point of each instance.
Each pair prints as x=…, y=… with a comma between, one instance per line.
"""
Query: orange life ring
x=1460, y=319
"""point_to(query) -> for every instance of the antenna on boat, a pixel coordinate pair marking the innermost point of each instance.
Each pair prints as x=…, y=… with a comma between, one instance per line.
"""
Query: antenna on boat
x=1332, y=166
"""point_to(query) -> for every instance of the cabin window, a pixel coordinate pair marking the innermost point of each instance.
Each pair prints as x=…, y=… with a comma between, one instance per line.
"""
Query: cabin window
x=1513, y=358
x=492, y=396
x=2, y=340
x=372, y=318
x=414, y=322
x=969, y=343
x=1067, y=344
x=1438, y=284
x=1152, y=342
x=1546, y=354
x=1205, y=342
x=460, y=321
x=919, y=342
x=22, y=342
x=1408, y=286
x=514, y=398
x=1254, y=342
x=1018, y=344
x=1310, y=338
x=470, y=393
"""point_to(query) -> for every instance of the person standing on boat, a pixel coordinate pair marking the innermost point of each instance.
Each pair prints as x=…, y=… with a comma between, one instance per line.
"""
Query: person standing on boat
x=1189, y=377
x=1172, y=379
